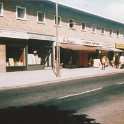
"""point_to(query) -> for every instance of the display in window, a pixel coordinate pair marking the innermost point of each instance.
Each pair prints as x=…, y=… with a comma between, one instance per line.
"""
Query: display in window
x=33, y=58
x=15, y=57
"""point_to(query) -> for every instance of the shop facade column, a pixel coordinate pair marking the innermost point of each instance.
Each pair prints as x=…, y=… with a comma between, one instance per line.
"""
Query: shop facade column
x=2, y=58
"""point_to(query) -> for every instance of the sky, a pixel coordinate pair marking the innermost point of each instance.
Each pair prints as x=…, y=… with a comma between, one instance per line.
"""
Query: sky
x=111, y=9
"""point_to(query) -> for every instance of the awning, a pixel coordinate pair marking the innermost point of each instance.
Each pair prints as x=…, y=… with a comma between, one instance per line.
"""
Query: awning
x=37, y=36
x=116, y=50
x=119, y=46
x=6, y=33
x=77, y=47
x=110, y=49
x=13, y=34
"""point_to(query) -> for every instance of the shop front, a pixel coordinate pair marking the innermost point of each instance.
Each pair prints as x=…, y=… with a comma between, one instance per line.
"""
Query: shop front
x=75, y=56
x=18, y=54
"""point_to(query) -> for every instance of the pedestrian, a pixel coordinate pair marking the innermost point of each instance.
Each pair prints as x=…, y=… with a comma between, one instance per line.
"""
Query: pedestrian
x=117, y=61
x=103, y=62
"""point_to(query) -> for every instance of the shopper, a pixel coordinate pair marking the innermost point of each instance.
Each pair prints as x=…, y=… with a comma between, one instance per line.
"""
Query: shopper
x=117, y=61
x=103, y=62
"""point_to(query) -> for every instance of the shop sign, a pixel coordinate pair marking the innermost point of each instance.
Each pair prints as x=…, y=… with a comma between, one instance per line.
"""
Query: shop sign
x=88, y=43
x=119, y=46
x=72, y=40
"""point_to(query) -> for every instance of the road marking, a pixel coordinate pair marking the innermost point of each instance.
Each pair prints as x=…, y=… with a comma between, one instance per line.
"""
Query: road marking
x=76, y=94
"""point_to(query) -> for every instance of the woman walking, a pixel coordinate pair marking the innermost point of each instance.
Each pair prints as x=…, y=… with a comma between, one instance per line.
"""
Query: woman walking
x=103, y=62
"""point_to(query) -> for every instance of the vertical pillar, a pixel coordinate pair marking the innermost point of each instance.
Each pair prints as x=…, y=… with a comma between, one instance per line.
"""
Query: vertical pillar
x=50, y=60
x=2, y=58
x=26, y=55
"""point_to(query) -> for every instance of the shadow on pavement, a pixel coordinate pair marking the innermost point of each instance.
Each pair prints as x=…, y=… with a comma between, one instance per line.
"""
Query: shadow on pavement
x=41, y=114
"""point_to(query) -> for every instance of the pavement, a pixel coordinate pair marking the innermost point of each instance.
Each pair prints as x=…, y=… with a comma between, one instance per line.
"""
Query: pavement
x=10, y=80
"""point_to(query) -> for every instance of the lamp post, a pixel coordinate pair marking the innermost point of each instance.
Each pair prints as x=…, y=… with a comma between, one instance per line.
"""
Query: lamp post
x=56, y=48
x=57, y=44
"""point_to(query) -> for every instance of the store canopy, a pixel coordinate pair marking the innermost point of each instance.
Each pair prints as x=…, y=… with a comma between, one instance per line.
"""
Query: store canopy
x=116, y=50
x=77, y=47
x=110, y=49
x=41, y=36
x=13, y=34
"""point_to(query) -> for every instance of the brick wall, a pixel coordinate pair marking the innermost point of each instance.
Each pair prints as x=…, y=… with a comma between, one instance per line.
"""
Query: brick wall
x=30, y=24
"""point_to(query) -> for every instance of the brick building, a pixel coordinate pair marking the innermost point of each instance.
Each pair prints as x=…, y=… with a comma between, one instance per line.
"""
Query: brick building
x=28, y=30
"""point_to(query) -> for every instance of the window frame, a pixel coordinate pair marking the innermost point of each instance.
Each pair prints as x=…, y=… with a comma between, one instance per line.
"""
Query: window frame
x=20, y=7
x=44, y=17
x=2, y=9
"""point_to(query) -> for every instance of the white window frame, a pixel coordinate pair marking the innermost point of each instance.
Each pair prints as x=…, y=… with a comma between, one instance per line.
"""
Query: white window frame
x=55, y=20
x=24, y=12
x=44, y=17
x=1, y=14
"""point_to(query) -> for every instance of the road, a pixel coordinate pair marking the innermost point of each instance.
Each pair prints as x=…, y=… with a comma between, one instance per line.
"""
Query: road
x=83, y=96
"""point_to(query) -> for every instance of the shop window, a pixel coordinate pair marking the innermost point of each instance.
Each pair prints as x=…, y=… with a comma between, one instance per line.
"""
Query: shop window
x=71, y=23
x=20, y=12
x=34, y=57
x=59, y=20
x=1, y=9
x=110, y=32
x=15, y=56
x=93, y=28
x=102, y=30
x=83, y=26
x=40, y=16
x=117, y=32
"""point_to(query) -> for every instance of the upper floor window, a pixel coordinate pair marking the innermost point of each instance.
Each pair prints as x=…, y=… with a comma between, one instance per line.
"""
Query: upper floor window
x=102, y=31
x=83, y=26
x=117, y=32
x=59, y=20
x=71, y=23
x=40, y=16
x=110, y=32
x=93, y=28
x=20, y=12
x=1, y=9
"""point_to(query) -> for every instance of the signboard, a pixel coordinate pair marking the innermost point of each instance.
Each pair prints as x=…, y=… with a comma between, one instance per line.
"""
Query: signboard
x=119, y=46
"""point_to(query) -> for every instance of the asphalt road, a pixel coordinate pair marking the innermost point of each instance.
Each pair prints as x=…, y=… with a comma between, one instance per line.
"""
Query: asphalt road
x=76, y=97
x=57, y=91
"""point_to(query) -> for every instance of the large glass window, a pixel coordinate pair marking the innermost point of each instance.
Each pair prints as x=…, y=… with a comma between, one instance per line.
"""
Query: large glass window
x=20, y=12
x=15, y=56
x=40, y=16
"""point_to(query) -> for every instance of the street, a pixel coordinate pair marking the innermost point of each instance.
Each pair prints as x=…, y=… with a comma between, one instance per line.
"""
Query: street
x=82, y=96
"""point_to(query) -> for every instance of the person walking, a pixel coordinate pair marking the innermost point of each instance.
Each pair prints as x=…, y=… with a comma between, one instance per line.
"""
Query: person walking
x=117, y=61
x=103, y=62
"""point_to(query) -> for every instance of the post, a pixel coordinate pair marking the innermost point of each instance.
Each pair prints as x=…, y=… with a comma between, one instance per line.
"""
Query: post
x=57, y=45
